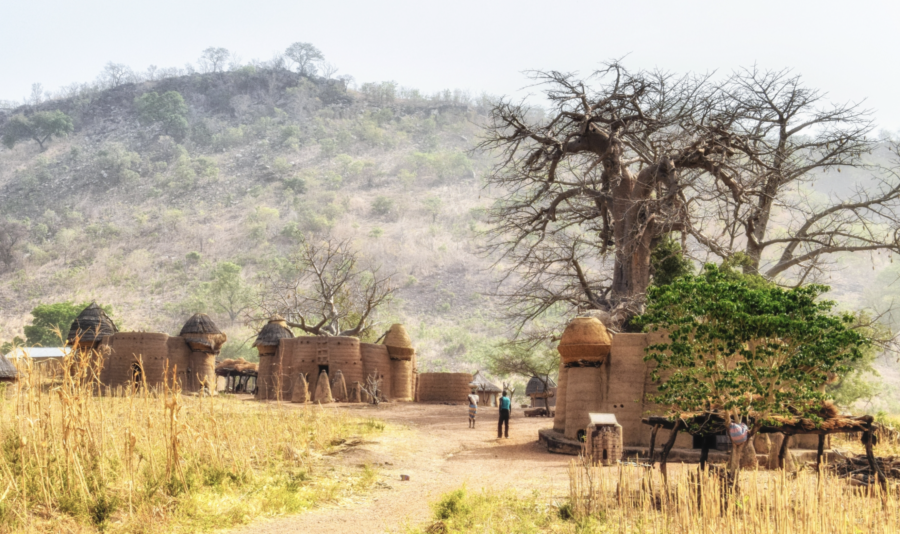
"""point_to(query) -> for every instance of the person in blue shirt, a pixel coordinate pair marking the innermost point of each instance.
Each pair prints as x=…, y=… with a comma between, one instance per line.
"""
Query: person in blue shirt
x=505, y=406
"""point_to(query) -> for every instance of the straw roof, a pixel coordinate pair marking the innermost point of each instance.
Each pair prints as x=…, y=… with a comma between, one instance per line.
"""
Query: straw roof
x=398, y=342
x=201, y=330
x=7, y=369
x=481, y=382
x=585, y=338
x=274, y=331
x=91, y=325
x=240, y=366
x=535, y=385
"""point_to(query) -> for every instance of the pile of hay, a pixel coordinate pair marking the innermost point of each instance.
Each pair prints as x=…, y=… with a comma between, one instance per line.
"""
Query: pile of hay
x=202, y=334
x=91, y=325
x=238, y=366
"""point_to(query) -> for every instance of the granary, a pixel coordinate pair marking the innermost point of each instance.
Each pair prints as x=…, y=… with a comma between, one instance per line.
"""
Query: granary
x=146, y=357
x=236, y=376
x=541, y=396
x=292, y=369
x=606, y=374
x=486, y=390
x=603, y=439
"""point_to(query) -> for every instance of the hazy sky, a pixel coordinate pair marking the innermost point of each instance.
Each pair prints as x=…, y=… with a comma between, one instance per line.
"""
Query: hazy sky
x=848, y=49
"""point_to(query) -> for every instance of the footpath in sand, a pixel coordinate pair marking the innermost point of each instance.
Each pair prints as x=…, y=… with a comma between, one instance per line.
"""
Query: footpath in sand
x=440, y=453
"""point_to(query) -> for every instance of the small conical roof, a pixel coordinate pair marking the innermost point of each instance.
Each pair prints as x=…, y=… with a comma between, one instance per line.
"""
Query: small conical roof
x=274, y=331
x=481, y=383
x=398, y=343
x=7, y=369
x=91, y=325
x=201, y=330
x=585, y=338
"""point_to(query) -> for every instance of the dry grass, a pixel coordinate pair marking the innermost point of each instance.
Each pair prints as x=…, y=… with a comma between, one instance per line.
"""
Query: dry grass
x=141, y=460
x=630, y=499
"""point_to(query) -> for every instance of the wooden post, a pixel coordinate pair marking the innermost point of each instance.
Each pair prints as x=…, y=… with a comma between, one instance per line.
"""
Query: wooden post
x=668, y=447
x=821, y=452
x=653, y=444
x=704, y=453
x=867, y=437
x=782, y=453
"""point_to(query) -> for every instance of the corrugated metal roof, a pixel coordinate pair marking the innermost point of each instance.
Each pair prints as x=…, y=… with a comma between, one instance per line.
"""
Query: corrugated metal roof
x=37, y=353
x=603, y=419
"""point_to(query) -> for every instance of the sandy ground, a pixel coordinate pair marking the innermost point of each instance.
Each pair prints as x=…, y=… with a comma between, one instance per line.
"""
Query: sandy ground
x=434, y=446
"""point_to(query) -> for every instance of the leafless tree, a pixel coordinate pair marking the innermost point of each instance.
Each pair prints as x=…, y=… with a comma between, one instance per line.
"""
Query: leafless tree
x=12, y=234
x=305, y=56
x=623, y=159
x=325, y=289
x=214, y=59
x=116, y=74
x=372, y=388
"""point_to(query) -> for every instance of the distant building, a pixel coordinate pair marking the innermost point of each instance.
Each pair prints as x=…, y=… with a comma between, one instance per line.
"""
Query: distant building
x=534, y=390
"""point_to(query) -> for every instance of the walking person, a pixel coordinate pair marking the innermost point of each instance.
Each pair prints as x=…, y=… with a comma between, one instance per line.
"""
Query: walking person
x=505, y=406
x=473, y=407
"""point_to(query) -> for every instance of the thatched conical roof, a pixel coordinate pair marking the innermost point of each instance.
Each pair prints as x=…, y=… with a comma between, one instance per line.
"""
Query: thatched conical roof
x=536, y=385
x=481, y=383
x=7, y=369
x=398, y=343
x=274, y=331
x=200, y=330
x=91, y=325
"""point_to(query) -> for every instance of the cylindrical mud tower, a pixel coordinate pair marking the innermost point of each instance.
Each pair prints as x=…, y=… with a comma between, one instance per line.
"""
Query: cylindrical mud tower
x=88, y=336
x=584, y=346
x=402, y=354
x=273, y=355
x=205, y=340
x=559, y=419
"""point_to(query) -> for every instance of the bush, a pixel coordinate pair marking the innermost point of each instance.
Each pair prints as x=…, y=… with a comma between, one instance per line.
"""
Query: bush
x=382, y=206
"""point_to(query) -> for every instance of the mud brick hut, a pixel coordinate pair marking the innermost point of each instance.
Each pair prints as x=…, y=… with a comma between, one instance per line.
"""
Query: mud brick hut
x=444, y=387
x=603, y=441
x=605, y=373
x=392, y=362
x=148, y=357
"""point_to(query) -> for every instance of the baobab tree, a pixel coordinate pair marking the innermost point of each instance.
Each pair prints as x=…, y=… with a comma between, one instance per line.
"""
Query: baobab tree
x=624, y=160
x=325, y=289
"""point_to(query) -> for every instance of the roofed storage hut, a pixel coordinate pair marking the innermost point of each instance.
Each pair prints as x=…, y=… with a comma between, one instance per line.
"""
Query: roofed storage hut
x=205, y=340
x=486, y=390
x=583, y=349
x=271, y=360
x=89, y=335
x=541, y=396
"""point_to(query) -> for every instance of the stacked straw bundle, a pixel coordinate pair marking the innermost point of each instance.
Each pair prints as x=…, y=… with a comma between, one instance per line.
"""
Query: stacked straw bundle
x=301, y=390
x=444, y=387
x=323, y=389
x=339, y=387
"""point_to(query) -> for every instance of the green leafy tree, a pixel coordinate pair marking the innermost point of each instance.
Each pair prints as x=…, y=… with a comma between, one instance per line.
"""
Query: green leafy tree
x=525, y=359
x=40, y=127
x=51, y=320
x=754, y=352
x=667, y=262
x=167, y=111
x=226, y=293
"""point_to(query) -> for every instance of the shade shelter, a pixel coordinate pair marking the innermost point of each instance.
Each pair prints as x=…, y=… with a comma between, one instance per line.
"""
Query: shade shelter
x=486, y=390
x=240, y=375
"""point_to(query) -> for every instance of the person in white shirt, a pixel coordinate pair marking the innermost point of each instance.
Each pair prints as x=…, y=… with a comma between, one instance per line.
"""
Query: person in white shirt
x=473, y=407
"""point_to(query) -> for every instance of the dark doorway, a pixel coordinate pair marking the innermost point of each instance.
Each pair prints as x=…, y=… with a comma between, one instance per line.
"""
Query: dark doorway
x=137, y=375
x=324, y=368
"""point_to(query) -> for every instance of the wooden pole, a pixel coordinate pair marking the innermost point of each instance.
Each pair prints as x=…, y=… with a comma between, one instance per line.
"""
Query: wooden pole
x=704, y=453
x=867, y=437
x=668, y=447
x=653, y=444
x=782, y=453
x=821, y=452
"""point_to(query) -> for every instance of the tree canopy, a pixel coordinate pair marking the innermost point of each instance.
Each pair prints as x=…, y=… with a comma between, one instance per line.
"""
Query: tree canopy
x=40, y=126
x=305, y=57
x=746, y=348
x=167, y=111
x=623, y=159
x=51, y=320
x=226, y=293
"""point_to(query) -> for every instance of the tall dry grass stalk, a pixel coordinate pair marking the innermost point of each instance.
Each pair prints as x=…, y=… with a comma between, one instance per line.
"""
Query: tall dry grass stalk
x=637, y=499
x=76, y=456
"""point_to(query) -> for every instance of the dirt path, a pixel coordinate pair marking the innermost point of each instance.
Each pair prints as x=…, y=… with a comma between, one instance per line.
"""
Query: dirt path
x=439, y=453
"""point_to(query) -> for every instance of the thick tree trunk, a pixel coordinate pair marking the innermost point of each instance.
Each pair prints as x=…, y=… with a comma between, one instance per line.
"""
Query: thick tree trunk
x=631, y=274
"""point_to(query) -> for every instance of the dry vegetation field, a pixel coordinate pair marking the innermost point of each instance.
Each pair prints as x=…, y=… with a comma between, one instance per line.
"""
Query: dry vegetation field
x=156, y=461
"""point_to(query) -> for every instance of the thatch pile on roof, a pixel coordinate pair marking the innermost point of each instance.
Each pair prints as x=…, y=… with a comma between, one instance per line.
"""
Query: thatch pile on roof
x=202, y=334
x=398, y=343
x=535, y=386
x=239, y=366
x=481, y=383
x=91, y=325
x=585, y=339
x=7, y=369
x=274, y=331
